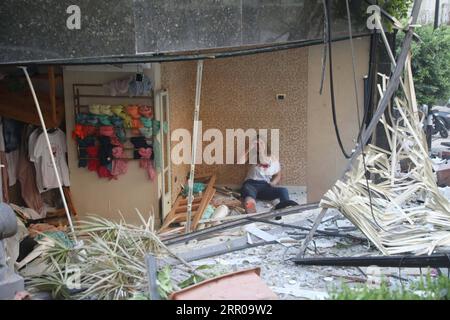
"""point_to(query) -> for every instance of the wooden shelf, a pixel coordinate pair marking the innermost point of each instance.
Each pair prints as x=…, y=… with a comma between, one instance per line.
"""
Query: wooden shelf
x=20, y=106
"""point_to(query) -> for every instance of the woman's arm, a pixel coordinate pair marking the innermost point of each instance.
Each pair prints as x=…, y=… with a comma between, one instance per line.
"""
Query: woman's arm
x=276, y=179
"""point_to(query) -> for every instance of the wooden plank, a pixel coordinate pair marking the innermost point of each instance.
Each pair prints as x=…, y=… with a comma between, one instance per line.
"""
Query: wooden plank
x=69, y=200
x=182, y=209
x=196, y=200
x=52, y=88
x=179, y=210
x=209, y=194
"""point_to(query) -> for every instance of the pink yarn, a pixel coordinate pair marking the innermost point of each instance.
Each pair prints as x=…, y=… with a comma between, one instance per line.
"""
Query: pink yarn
x=119, y=166
x=146, y=163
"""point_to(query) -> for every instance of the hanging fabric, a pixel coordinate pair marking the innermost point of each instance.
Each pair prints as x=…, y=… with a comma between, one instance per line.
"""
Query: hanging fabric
x=27, y=176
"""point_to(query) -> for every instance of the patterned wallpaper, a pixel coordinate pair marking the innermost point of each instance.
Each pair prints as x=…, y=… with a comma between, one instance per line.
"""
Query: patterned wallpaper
x=241, y=93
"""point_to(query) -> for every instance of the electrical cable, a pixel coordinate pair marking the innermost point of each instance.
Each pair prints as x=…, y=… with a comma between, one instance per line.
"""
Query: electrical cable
x=350, y=34
x=324, y=48
x=333, y=102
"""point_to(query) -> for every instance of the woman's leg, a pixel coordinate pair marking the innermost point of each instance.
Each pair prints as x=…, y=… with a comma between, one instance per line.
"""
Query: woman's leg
x=249, y=193
x=248, y=190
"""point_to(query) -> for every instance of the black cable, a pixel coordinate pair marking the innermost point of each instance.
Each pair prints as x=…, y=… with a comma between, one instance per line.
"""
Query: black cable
x=369, y=191
x=333, y=102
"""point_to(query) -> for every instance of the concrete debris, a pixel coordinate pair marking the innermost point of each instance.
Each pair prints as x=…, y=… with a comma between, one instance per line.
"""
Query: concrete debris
x=301, y=293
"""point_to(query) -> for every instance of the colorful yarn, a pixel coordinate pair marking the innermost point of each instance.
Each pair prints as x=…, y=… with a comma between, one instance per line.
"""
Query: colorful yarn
x=146, y=132
x=133, y=111
x=103, y=172
x=119, y=166
x=116, y=121
x=78, y=132
x=90, y=130
x=107, y=131
x=105, y=150
x=82, y=118
x=147, y=122
x=121, y=134
x=92, y=120
x=146, y=163
x=118, y=110
x=94, y=109
x=138, y=143
x=106, y=110
x=146, y=111
x=104, y=120
x=93, y=162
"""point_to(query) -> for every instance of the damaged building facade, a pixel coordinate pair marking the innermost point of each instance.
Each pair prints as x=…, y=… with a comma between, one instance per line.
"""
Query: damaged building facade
x=106, y=90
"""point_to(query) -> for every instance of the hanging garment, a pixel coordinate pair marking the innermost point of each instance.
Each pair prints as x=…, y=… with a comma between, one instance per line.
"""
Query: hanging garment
x=27, y=176
x=105, y=151
x=12, y=131
x=119, y=86
x=83, y=144
x=37, y=164
x=146, y=163
x=140, y=88
x=119, y=165
x=4, y=173
x=59, y=149
x=139, y=142
x=37, y=161
x=2, y=140
x=4, y=186
x=104, y=172
x=12, y=160
x=146, y=111
x=93, y=162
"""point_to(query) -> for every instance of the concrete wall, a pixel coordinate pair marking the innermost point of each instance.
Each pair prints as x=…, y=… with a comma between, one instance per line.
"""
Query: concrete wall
x=100, y=196
x=325, y=161
x=427, y=9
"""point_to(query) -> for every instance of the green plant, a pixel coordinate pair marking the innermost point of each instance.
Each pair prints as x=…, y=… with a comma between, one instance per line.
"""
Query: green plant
x=397, y=8
x=426, y=288
x=110, y=262
x=431, y=65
